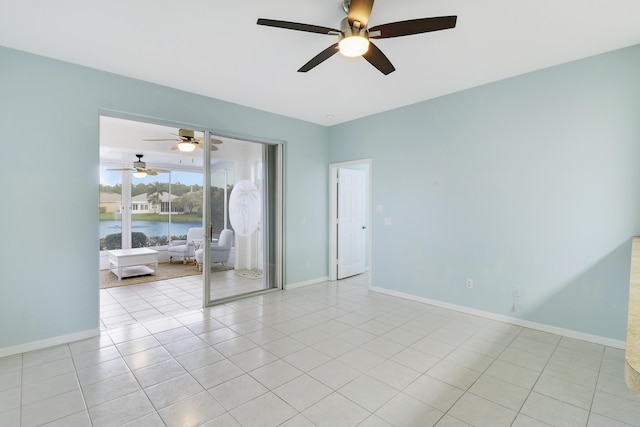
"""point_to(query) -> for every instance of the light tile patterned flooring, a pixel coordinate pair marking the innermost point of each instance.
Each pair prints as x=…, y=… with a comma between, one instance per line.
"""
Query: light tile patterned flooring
x=135, y=303
x=332, y=354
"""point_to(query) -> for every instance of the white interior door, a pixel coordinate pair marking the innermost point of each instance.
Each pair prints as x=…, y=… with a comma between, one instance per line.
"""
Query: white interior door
x=351, y=222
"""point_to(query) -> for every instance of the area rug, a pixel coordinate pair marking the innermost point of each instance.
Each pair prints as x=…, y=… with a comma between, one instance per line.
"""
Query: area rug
x=250, y=274
x=165, y=271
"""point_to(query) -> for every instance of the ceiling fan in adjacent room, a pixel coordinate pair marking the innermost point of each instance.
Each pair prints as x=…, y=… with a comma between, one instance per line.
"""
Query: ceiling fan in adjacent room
x=140, y=169
x=187, y=141
x=354, y=35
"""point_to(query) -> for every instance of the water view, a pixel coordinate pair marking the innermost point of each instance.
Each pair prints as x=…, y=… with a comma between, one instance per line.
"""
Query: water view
x=149, y=228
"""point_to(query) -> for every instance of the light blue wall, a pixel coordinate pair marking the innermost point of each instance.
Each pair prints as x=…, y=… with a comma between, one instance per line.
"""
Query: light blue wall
x=530, y=183
x=49, y=185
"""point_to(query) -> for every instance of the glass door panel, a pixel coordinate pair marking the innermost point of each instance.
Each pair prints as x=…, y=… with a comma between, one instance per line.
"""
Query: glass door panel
x=184, y=208
x=149, y=223
x=243, y=220
x=110, y=209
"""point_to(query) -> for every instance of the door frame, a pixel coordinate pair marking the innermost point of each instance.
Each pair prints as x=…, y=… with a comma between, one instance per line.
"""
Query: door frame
x=333, y=216
x=274, y=237
x=278, y=239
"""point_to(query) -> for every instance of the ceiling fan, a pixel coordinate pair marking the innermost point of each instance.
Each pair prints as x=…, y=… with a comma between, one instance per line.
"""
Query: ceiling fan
x=354, y=35
x=140, y=169
x=186, y=141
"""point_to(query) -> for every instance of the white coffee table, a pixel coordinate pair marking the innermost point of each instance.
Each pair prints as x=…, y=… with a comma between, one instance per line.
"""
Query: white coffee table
x=133, y=262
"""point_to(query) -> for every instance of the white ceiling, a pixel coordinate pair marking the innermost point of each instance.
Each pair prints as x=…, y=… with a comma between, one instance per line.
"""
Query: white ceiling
x=121, y=140
x=215, y=48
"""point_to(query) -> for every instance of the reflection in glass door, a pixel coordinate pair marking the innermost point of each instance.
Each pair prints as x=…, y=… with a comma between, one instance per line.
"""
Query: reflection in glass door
x=243, y=216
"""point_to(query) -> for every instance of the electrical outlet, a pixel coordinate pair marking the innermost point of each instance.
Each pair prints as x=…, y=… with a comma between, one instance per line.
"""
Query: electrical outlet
x=469, y=283
x=516, y=298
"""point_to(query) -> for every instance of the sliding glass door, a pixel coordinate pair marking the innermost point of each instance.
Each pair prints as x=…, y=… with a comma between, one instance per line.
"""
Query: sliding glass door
x=111, y=207
x=230, y=188
x=244, y=219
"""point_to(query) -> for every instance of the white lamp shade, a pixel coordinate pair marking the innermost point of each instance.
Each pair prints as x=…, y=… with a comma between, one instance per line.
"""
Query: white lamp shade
x=139, y=174
x=186, y=146
x=244, y=207
x=353, y=46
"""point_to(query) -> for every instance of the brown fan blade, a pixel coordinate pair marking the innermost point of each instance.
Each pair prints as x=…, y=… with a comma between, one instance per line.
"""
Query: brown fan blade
x=319, y=58
x=360, y=10
x=121, y=169
x=150, y=172
x=200, y=145
x=297, y=26
x=158, y=170
x=378, y=59
x=216, y=141
x=168, y=139
x=412, y=26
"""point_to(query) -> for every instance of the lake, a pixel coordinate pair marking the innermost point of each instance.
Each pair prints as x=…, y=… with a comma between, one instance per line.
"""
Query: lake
x=150, y=228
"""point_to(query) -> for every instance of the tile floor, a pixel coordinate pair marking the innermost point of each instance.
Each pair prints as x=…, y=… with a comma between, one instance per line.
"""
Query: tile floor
x=128, y=304
x=332, y=354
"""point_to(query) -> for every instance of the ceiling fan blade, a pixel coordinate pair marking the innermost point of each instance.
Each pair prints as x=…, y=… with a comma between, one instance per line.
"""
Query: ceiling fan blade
x=121, y=169
x=151, y=172
x=200, y=145
x=319, y=58
x=213, y=141
x=413, y=26
x=167, y=139
x=297, y=26
x=378, y=59
x=360, y=10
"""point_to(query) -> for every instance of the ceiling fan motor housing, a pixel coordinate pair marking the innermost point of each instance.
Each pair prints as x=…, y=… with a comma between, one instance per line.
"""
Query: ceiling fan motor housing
x=186, y=133
x=139, y=164
x=348, y=31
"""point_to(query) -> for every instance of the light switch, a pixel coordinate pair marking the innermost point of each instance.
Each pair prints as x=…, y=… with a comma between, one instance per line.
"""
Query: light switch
x=379, y=208
x=387, y=221
x=303, y=220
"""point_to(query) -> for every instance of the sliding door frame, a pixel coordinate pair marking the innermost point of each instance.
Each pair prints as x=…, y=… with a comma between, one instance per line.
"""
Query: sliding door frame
x=273, y=238
x=277, y=235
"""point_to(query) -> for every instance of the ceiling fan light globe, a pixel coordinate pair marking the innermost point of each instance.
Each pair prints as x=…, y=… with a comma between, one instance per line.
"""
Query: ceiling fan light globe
x=186, y=147
x=353, y=46
x=139, y=174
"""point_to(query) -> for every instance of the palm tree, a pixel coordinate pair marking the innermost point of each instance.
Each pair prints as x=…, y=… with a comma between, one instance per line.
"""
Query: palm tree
x=154, y=191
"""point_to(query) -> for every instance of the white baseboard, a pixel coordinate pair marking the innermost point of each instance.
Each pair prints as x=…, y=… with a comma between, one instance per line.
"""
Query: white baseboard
x=307, y=282
x=570, y=333
x=49, y=342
